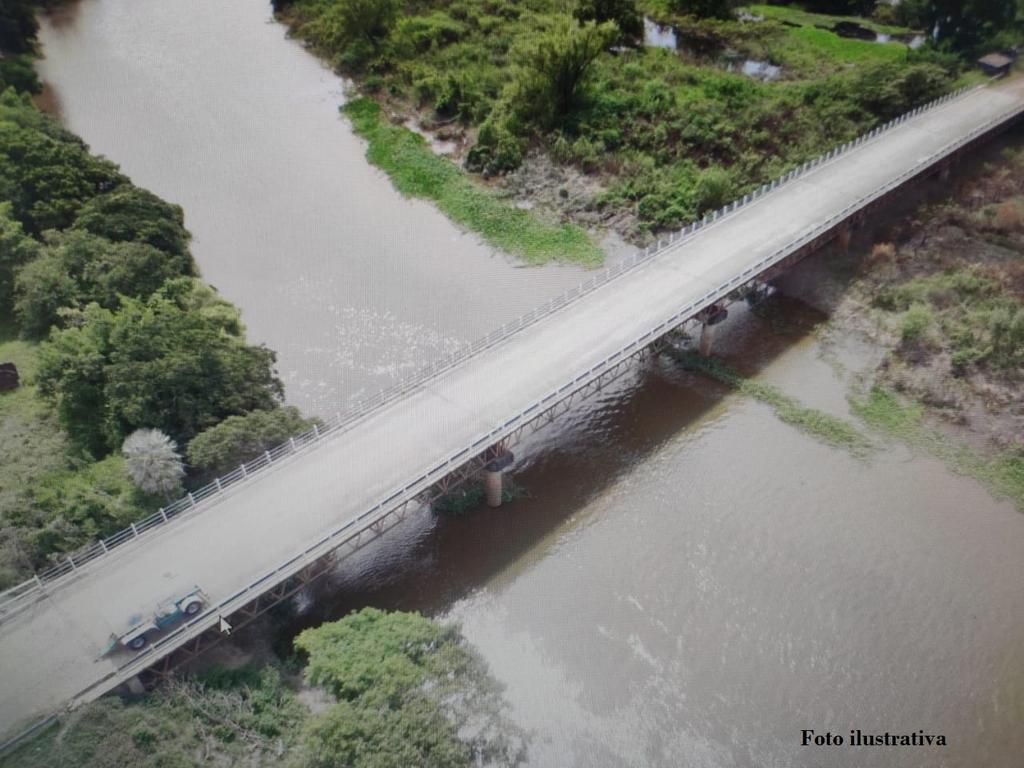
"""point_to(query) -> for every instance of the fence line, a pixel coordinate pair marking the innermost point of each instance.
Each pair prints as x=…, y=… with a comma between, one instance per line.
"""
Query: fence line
x=10, y=598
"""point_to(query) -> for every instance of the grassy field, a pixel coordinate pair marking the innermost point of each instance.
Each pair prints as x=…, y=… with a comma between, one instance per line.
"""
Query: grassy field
x=821, y=42
x=417, y=172
x=794, y=15
x=31, y=445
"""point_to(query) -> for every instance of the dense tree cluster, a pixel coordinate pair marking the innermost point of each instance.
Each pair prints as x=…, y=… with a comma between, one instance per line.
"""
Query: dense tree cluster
x=18, y=28
x=100, y=273
x=151, y=363
x=409, y=691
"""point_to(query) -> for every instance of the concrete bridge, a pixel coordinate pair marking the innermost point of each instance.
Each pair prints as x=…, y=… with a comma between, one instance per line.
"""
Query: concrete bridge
x=258, y=535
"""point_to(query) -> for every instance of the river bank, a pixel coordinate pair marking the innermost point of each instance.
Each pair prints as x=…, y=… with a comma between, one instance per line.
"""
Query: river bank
x=650, y=137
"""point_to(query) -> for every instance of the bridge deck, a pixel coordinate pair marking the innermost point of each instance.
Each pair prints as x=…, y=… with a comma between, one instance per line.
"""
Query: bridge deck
x=50, y=652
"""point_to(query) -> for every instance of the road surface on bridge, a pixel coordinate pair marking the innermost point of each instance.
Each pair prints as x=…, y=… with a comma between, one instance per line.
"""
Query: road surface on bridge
x=51, y=651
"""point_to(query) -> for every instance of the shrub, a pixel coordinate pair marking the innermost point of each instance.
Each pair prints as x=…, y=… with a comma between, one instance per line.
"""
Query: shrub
x=237, y=439
x=410, y=692
x=915, y=323
x=1006, y=330
x=703, y=9
x=622, y=12
x=554, y=66
x=1009, y=216
x=69, y=508
x=715, y=188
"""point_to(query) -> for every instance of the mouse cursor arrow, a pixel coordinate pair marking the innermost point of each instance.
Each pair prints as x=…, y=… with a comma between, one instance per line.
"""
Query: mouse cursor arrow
x=224, y=626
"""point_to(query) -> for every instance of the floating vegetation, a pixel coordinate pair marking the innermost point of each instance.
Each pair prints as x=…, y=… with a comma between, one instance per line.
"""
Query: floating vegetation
x=823, y=426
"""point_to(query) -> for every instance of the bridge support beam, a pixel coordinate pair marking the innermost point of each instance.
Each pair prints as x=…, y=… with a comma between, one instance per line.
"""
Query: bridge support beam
x=135, y=686
x=494, y=473
x=493, y=487
x=707, y=338
x=843, y=237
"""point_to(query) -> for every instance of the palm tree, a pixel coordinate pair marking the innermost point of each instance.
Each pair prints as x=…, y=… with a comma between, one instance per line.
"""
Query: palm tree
x=153, y=461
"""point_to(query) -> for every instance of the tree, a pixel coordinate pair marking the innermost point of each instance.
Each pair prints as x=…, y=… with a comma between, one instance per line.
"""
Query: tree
x=75, y=268
x=963, y=25
x=130, y=214
x=46, y=173
x=152, y=363
x=19, y=73
x=890, y=89
x=703, y=9
x=410, y=692
x=16, y=249
x=354, y=27
x=622, y=12
x=18, y=26
x=42, y=287
x=152, y=461
x=554, y=67
x=240, y=438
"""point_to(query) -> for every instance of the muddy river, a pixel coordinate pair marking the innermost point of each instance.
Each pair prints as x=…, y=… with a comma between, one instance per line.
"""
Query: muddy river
x=686, y=580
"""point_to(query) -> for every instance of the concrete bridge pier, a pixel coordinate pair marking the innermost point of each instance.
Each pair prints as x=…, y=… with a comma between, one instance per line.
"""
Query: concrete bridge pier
x=707, y=338
x=494, y=473
x=845, y=231
x=712, y=316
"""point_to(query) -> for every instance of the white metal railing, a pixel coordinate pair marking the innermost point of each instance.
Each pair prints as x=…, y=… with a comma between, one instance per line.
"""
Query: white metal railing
x=11, y=598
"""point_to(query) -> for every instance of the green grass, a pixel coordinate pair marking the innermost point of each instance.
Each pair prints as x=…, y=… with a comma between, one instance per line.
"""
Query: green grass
x=884, y=410
x=843, y=49
x=417, y=172
x=31, y=445
x=823, y=426
x=806, y=18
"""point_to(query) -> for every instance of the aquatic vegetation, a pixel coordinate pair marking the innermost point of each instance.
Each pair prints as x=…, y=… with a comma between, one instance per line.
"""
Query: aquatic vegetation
x=418, y=172
x=904, y=419
x=820, y=425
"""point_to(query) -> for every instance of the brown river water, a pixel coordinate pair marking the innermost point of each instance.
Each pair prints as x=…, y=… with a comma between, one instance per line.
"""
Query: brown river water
x=687, y=581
